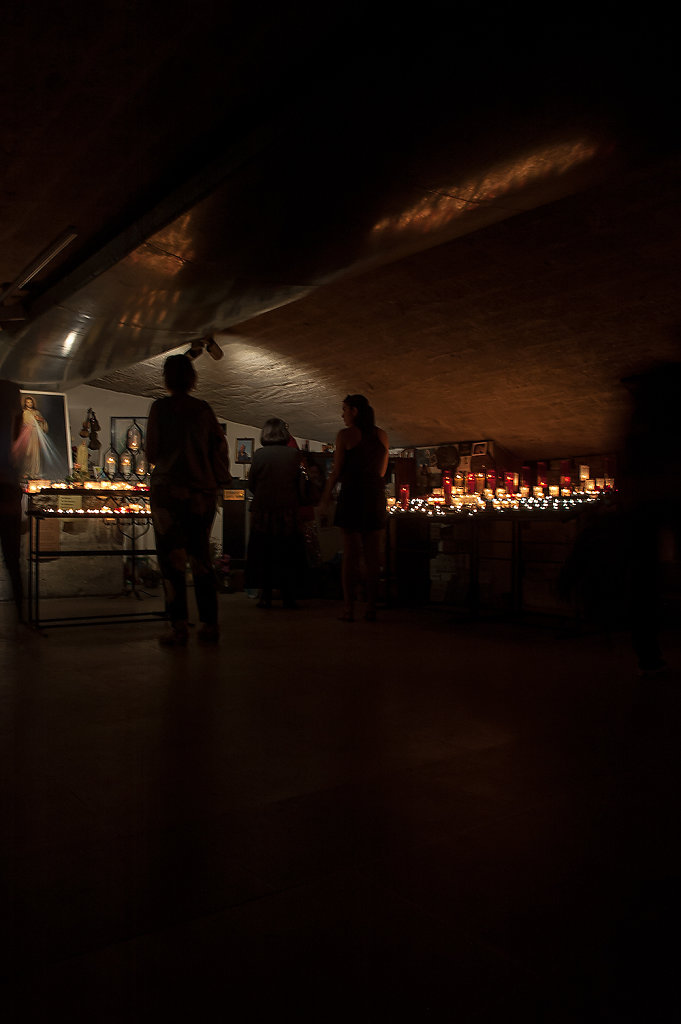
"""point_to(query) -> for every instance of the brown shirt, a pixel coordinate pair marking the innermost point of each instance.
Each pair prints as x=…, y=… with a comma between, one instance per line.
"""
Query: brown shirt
x=183, y=435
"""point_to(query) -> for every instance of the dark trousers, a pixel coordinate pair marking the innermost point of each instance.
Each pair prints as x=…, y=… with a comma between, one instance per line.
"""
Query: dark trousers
x=182, y=524
x=279, y=567
x=275, y=556
x=10, y=538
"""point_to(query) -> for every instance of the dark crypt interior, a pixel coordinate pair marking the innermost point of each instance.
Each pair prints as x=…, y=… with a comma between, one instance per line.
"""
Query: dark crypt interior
x=458, y=812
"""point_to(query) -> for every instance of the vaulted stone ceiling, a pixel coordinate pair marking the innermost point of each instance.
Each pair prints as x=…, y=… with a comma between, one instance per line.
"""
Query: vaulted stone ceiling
x=471, y=218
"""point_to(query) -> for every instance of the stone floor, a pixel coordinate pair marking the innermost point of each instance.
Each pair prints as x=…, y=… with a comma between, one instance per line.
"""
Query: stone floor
x=420, y=818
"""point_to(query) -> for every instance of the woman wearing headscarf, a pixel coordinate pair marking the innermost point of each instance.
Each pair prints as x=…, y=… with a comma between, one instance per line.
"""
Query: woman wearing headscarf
x=275, y=545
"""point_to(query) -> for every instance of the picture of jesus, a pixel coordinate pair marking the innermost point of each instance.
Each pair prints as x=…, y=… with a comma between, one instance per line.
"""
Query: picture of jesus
x=34, y=427
x=43, y=448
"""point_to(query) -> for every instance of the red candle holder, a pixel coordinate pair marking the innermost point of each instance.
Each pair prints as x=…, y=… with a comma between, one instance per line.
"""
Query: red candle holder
x=404, y=496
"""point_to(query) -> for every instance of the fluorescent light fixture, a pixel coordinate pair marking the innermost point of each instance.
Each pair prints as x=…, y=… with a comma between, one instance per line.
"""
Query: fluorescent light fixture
x=40, y=262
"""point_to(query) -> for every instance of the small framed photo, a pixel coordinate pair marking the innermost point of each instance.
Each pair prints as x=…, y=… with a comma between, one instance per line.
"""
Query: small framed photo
x=244, y=450
x=480, y=448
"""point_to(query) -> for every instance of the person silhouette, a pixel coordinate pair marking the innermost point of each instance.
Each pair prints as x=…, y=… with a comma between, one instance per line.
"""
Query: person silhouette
x=189, y=451
x=275, y=545
x=650, y=496
x=360, y=463
x=11, y=420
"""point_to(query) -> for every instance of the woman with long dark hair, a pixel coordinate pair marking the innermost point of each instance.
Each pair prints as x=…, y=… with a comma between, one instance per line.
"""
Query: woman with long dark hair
x=360, y=463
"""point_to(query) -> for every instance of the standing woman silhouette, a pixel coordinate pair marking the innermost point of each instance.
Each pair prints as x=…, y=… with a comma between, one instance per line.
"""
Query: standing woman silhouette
x=191, y=465
x=360, y=463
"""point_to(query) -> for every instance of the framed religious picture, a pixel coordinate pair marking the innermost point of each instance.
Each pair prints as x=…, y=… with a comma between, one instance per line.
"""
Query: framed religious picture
x=244, y=449
x=45, y=442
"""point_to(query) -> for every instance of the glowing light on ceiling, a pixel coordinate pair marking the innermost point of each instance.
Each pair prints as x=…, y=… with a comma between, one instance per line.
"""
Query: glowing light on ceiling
x=168, y=251
x=279, y=374
x=68, y=343
x=437, y=209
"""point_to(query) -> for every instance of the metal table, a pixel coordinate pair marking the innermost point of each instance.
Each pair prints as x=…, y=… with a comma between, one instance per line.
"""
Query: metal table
x=136, y=519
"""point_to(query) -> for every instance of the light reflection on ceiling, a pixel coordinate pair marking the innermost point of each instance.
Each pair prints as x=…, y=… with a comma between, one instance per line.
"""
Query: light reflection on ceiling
x=436, y=210
x=243, y=381
x=161, y=252
x=295, y=380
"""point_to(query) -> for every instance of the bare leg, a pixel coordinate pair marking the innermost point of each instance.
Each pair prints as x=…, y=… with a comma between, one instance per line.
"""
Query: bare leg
x=372, y=562
x=352, y=553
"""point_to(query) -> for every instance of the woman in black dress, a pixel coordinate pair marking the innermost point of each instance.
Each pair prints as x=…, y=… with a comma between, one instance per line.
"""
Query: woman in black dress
x=360, y=463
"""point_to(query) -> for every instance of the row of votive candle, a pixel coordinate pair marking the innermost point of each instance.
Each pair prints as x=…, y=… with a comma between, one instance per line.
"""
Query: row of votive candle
x=447, y=495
